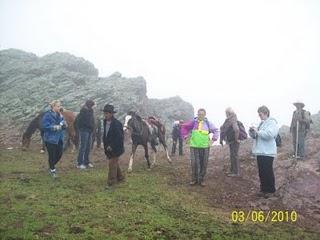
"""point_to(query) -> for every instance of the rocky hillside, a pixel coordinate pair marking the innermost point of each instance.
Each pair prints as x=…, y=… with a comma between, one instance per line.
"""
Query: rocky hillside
x=29, y=82
x=315, y=127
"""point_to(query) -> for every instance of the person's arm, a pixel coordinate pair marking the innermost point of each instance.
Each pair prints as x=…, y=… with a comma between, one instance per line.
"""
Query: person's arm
x=269, y=132
x=292, y=123
x=48, y=124
x=186, y=128
x=214, y=130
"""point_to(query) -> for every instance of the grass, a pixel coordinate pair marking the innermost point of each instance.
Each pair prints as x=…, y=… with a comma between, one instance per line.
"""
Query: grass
x=76, y=206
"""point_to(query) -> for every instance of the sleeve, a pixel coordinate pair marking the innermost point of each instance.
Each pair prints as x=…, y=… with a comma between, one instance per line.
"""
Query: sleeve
x=47, y=123
x=292, y=123
x=271, y=131
x=214, y=130
x=186, y=128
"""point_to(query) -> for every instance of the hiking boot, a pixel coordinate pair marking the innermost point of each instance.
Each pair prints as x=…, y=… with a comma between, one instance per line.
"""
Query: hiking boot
x=53, y=173
x=82, y=166
x=261, y=194
x=269, y=195
x=109, y=187
x=203, y=184
x=121, y=180
x=192, y=183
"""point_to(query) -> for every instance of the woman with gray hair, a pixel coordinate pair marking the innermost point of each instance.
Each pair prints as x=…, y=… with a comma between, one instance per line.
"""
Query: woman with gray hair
x=265, y=149
x=229, y=132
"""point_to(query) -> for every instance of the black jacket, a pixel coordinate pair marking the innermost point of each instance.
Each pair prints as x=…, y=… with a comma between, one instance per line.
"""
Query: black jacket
x=176, y=133
x=114, y=139
x=85, y=120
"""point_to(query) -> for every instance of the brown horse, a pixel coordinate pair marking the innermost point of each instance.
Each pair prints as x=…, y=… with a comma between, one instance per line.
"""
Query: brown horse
x=36, y=123
x=143, y=132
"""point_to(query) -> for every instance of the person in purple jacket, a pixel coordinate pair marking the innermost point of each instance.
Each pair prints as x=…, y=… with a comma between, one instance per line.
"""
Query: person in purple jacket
x=199, y=130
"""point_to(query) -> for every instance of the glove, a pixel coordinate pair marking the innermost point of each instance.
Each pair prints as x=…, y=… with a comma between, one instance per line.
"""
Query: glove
x=57, y=127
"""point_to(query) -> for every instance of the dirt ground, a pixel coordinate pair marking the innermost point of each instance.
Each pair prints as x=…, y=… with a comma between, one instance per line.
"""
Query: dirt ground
x=297, y=182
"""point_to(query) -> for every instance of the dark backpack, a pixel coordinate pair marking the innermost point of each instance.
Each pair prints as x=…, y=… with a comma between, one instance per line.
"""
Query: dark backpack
x=242, y=132
x=278, y=140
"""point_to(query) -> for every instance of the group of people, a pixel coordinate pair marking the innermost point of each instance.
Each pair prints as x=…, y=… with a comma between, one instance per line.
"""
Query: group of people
x=197, y=132
x=54, y=125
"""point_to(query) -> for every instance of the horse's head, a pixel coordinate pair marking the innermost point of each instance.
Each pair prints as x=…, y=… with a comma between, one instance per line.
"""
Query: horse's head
x=25, y=141
x=133, y=122
x=127, y=122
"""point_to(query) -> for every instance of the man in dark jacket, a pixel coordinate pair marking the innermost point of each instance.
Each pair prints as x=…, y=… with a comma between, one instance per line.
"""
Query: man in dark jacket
x=176, y=137
x=85, y=125
x=113, y=145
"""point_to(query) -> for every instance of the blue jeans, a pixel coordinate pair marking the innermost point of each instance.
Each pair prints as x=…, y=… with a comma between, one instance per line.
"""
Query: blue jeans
x=85, y=138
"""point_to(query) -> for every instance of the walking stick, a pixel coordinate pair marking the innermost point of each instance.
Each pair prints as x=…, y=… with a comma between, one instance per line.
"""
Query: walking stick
x=297, y=139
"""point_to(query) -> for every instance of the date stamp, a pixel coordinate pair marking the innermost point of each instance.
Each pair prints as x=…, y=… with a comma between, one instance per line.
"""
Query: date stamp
x=259, y=216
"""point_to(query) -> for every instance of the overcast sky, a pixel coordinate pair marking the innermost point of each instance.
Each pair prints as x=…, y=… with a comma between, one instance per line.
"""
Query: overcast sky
x=214, y=54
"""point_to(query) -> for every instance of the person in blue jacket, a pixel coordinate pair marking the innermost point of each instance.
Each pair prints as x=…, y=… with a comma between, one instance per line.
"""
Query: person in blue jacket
x=53, y=126
x=265, y=149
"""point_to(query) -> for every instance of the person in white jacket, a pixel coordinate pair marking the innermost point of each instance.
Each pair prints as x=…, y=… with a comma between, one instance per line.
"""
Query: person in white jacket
x=265, y=149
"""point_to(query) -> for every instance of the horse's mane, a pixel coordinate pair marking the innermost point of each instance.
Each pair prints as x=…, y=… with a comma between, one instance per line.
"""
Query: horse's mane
x=33, y=125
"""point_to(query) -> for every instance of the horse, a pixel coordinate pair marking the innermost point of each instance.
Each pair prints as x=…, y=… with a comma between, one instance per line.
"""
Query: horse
x=142, y=133
x=36, y=123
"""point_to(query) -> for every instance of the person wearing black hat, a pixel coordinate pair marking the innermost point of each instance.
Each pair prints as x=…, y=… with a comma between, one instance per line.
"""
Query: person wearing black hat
x=113, y=145
x=299, y=128
x=85, y=125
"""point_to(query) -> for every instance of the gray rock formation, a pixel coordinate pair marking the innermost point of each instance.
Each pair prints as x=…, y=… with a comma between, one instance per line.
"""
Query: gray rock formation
x=28, y=83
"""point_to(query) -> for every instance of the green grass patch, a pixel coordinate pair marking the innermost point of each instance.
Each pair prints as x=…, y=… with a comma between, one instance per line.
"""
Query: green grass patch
x=77, y=206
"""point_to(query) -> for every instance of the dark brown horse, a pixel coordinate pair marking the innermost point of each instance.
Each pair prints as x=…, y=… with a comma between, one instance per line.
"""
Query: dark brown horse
x=143, y=132
x=36, y=123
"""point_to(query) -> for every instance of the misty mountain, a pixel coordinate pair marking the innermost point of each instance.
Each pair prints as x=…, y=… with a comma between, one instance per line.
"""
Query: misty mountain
x=28, y=83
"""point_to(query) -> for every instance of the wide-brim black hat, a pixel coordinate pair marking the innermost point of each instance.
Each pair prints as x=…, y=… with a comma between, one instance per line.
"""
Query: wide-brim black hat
x=109, y=108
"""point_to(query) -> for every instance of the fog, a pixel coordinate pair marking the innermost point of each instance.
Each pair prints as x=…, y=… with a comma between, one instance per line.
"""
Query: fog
x=214, y=54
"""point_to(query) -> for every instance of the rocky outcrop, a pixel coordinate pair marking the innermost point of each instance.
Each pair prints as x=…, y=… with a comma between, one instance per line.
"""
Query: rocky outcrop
x=28, y=83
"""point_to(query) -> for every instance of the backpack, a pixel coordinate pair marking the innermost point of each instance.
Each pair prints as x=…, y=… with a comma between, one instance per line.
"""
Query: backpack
x=278, y=140
x=242, y=131
x=306, y=115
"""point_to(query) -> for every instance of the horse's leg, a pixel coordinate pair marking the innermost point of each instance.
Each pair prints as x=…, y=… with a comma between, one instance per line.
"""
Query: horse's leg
x=166, y=149
x=73, y=145
x=43, y=148
x=146, y=154
x=134, y=148
x=154, y=152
